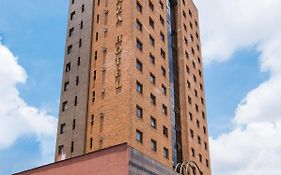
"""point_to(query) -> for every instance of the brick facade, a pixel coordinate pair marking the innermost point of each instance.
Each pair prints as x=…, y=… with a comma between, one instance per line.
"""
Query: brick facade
x=124, y=45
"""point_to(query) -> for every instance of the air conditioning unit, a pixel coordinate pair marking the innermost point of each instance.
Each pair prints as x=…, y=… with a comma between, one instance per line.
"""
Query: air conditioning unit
x=101, y=115
x=101, y=138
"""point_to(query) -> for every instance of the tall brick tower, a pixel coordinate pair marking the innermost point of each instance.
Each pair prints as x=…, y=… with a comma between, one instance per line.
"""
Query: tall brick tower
x=133, y=74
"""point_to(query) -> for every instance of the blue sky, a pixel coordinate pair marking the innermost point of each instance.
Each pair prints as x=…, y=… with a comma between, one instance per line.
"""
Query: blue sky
x=35, y=32
x=241, y=63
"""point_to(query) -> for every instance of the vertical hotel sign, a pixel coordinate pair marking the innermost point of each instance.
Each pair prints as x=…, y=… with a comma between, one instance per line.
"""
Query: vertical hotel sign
x=118, y=46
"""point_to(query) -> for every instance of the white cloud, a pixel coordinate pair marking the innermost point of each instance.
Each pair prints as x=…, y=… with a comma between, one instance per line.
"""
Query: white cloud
x=18, y=119
x=253, y=147
x=227, y=26
x=254, y=150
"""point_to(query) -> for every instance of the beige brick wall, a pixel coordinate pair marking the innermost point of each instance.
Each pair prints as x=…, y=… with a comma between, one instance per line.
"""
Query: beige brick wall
x=79, y=112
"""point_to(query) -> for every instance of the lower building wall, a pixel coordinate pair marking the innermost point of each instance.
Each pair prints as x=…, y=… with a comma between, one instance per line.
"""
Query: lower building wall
x=105, y=162
x=139, y=164
x=117, y=160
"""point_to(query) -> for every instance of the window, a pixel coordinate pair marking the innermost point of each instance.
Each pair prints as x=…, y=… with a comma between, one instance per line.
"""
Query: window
x=92, y=120
x=73, y=124
x=197, y=123
x=161, y=4
x=186, y=54
x=199, y=140
x=207, y=162
x=77, y=81
x=189, y=100
x=191, y=37
x=91, y=142
x=183, y=1
x=72, y=15
x=139, y=7
x=78, y=61
x=162, y=20
x=166, y=153
x=195, y=93
x=188, y=84
x=200, y=157
x=139, y=25
x=152, y=79
x=164, y=90
x=190, y=13
x=139, y=87
x=196, y=108
x=66, y=86
x=152, y=59
x=69, y=49
x=185, y=40
x=64, y=106
x=185, y=28
x=97, y=36
x=153, y=122
x=151, y=22
x=191, y=26
x=72, y=2
x=75, y=101
x=192, y=50
x=164, y=109
x=153, y=145
x=93, y=96
x=184, y=14
x=187, y=69
x=62, y=128
x=139, y=112
x=153, y=99
x=98, y=18
x=61, y=149
x=95, y=75
x=98, y=2
x=206, y=146
x=191, y=133
x=194, y=78
x=162, y=36
x=193, y=152
x=72, y=147
x=80, y=43
x=203, y=115
x=201, y=87
x=139, y=65
x=165, y=131
x=96, y=55
x=151, y=40
x=163, y=71
x=71, y=32
x=163, y=54
x=151, y=6
x=139, y=45
x=190, y=116
x=81, y=25
x=200, y=73
x=83, y=8
x=139, y=136
x=204, y=130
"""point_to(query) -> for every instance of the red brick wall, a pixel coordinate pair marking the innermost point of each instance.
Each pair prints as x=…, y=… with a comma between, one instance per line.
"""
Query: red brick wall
x=105, y=162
